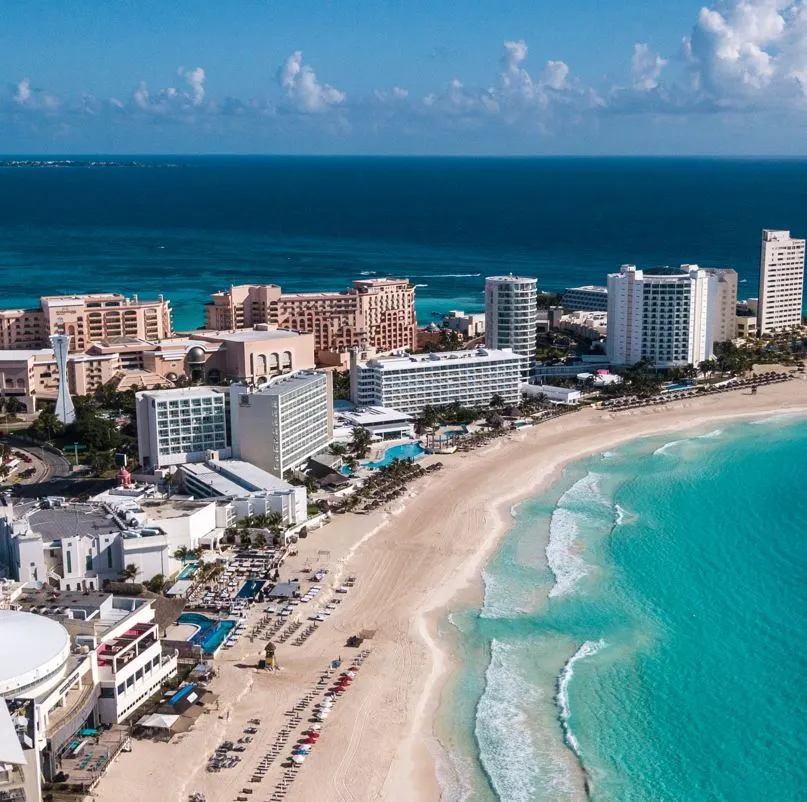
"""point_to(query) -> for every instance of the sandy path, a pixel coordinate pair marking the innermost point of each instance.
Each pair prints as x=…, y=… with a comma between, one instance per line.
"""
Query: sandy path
x=378, y=742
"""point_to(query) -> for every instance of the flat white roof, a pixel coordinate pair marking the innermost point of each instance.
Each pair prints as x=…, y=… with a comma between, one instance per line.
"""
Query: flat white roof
x=182, y=392
x=32, y=647
x=369, y=416
x=279, y=384
x=233, y=477
x=21, y=354
x=589, y=288
x=249, y=335
x=458, y=358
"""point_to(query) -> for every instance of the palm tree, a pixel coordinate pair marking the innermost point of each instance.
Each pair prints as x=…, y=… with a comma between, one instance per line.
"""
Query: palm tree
x=496, y=401
x=338, y=449
x=171, y=480
x=360, y=442
x=182, y=553
x=130, y=572
x=259, y=540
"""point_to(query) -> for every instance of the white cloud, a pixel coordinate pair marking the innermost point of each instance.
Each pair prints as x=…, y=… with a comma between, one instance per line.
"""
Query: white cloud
x=300, y=85
x=23, y=93
x=646, y=67
x=749, y=52
x=195, y=79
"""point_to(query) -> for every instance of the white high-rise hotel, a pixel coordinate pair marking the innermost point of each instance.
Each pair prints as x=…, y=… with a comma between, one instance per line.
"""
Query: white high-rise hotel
x=663, y=314
x=781, y=281
x=511, y=313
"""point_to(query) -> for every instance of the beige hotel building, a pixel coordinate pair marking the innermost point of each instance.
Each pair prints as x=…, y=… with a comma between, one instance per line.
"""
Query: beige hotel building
x=374, y=314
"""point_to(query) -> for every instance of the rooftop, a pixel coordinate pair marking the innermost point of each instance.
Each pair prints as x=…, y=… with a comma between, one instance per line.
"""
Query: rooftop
x=162, y=509
x=280, y=384
x=24, y=354
x=249, y=335
x=367, y=416
x=589, y=288
x=235, y=477
x=32, y=646
x=70, y=520
x=412, y=362
x=181, y=392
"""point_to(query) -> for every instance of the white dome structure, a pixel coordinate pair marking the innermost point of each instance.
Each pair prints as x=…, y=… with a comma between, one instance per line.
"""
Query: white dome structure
x=35, y=652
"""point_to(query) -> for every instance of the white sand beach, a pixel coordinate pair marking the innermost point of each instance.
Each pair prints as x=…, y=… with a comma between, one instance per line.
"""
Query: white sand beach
x=411, y=564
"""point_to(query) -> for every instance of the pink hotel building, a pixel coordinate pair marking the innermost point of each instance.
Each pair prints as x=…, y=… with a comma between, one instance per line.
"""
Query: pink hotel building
x=373, y=314
x=86, y=319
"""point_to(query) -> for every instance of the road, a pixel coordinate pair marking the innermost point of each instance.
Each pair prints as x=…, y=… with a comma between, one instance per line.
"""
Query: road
x=51, y=469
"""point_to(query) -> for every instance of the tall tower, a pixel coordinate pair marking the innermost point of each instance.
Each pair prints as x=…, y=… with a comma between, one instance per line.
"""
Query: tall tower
x=781, y=281
x=65, y=411
x=511, y=313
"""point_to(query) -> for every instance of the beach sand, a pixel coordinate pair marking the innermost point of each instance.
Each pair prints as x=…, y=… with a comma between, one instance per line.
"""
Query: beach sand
x=412, y=563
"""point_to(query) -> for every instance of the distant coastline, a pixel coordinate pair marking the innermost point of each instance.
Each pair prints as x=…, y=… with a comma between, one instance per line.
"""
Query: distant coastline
x=53, y=163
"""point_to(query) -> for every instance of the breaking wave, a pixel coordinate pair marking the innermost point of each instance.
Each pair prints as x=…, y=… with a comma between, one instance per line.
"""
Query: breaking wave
x=667, y=446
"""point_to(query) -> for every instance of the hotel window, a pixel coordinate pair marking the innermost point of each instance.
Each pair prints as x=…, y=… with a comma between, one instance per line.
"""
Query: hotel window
x=69, y=563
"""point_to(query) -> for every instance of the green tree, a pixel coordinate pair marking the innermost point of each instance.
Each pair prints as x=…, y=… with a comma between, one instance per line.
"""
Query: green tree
x=338, y=449
x=496, y=401
x=102, y=461
x=130, y=572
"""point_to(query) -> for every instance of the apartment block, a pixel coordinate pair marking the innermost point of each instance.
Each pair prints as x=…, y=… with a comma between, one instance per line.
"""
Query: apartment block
x=781, y=281
x=411, y=383
x=511, y=314
x=373, y=313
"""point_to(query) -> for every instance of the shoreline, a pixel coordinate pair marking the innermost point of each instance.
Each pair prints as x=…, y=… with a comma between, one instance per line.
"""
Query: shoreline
x=471, y=585
x=413, y=562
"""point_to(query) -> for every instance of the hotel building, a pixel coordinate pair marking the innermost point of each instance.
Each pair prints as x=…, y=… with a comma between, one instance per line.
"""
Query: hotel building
x=373, y=313
x=85, y=319
x=661, y=314
x=511, y=314
x=71, y=663
x=278, y=425
x=411, y=383
x=724, y=312
x=585, y=299
x=781, y=281
x=181, y=425
x=252, y=490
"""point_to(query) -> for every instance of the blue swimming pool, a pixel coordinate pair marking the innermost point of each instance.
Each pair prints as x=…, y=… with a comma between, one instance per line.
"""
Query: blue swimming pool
x=405, y=451
x=670, y=388
x=211, y=632
x=250, y=589
x=188, y=571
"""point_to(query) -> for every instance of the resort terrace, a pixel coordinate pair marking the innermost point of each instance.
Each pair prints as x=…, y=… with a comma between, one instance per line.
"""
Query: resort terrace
x=122, y=650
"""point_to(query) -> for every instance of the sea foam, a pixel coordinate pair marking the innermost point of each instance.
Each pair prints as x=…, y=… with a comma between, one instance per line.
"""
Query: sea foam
x=565, y=563
x=667, y=446
x=588, y=649
x=508, y=750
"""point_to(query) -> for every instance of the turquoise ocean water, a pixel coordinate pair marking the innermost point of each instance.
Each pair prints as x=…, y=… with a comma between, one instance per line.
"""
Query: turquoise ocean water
x=643, y=631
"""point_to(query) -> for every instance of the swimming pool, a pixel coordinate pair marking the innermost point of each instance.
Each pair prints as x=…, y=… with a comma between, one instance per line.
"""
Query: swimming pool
x=188, y=571
x=404, y=451
x=210, y=633
x=671, y=388
x=250, y=589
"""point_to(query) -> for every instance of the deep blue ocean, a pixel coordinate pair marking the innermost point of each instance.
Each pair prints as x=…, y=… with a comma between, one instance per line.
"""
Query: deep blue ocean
x=642, y=632
x=188, y=227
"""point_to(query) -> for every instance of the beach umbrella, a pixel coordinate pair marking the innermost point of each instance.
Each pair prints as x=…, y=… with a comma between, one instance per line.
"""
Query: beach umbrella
x=298, y=759
x=313, y=734
x=315, y=727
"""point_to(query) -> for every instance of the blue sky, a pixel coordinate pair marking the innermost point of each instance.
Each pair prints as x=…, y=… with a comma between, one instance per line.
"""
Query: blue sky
x=497, y=77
